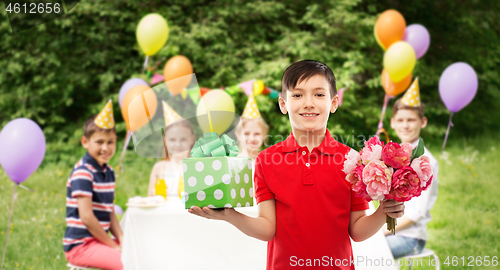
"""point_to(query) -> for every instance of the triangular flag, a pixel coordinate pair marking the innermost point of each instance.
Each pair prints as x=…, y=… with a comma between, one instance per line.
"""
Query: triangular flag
x=157, y=78
x=105, y=119
x=340, y=93
x=251, y=110
x=169, y=114
x=194, y=94
x=247, y=86
x=184, y=93
x=412, y=95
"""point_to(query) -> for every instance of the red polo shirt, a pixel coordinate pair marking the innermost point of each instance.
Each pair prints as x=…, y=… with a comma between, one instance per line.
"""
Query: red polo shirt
x=313, y=204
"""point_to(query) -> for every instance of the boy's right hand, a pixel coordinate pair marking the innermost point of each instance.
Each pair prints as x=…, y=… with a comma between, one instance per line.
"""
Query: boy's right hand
x=222, y=214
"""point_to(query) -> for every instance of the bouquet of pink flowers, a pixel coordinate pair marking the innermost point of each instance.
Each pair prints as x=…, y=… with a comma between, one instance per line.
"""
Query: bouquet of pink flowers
x=390, y=171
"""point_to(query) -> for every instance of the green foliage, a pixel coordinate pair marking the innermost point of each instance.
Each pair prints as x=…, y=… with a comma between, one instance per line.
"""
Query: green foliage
x=61, y=72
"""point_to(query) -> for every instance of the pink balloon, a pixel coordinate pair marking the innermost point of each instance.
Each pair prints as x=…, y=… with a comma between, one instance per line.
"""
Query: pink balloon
x=418, y=37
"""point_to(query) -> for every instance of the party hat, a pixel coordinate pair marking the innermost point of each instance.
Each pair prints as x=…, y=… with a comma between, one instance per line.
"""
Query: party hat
x=412, y=95
x=251, y=110
x=169, y=114
x=105, y=119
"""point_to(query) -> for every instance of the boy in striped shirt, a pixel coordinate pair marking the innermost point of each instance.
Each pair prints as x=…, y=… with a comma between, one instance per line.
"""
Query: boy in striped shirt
x=89, y=202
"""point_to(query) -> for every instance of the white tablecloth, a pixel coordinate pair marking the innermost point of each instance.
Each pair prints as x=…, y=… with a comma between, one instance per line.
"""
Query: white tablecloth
x=373, y=253
x=168, y=237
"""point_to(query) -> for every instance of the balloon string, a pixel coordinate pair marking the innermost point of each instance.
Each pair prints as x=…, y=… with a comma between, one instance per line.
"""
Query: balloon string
x=127, y=140
x=450, y=124
x=145, y=64
x=8, y=226
x=381, y=122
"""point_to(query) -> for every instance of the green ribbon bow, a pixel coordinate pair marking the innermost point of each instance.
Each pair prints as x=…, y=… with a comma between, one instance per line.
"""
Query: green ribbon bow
x=213, y=146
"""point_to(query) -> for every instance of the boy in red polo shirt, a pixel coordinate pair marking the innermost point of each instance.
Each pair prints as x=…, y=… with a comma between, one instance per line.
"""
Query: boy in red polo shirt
x=307, y=210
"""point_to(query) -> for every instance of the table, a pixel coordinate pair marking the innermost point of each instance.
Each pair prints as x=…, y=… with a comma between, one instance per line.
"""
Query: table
x=373, y=253
x=168, y=237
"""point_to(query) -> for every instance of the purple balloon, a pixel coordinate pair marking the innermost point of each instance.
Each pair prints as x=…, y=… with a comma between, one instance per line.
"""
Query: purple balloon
x=127, y=86
x=118, y=210
x=458, y=86
x=22, y=148
x=418, y=37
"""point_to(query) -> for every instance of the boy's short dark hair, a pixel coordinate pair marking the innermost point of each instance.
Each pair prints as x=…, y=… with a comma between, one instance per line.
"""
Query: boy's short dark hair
x=89, y=127
x=399, y=105
x=303, y=70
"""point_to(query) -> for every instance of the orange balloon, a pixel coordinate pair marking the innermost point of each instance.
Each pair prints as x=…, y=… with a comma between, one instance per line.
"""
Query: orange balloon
x=390, y=27
x=135, y=112
x=204, y=90
x=393, y=89
x=177, y=73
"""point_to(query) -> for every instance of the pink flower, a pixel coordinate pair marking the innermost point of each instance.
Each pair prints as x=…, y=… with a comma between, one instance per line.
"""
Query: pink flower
x=377, y=177
x=356, y=180
x=395, y=155
x=405, y=185
x=353, y=159
x=372, y=150
x=373, y=141
x=422, y=166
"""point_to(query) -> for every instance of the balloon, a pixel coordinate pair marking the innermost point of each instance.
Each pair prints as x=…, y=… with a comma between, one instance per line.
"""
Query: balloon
x=458, y=86
x=391, y=88
x=22, y=148
x=118, y=210
x=127, y=86
x=378, y=39
x=178, y=73
x=215, y=101
x=258, y=87
x=390, y=27
x=152, y=33
x=204, y=90
x=418, y=37
x=399, y=60
x=133, y=109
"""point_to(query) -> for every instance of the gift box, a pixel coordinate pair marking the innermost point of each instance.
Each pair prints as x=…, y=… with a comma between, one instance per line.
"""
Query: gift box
x=215, y=177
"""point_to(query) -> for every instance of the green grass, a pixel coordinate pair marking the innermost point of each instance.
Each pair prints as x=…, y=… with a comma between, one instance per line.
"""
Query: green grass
x=465, y=218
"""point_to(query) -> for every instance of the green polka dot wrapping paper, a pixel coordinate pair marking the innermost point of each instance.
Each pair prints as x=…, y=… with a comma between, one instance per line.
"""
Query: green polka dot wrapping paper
x=218, y=182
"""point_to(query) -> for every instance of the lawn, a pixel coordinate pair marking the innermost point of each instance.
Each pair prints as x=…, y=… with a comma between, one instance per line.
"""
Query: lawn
x=465, y=218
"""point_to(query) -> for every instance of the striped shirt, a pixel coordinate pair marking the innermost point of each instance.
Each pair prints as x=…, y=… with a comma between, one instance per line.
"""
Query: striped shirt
x=88, y=179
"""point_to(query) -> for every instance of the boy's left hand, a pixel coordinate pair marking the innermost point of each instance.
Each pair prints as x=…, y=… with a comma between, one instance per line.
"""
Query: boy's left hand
x=393, y=208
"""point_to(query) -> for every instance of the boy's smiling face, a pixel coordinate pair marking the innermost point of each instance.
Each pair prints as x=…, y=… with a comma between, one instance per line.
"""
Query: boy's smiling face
x=309, y=105
x=407, y=125
x=101, y=146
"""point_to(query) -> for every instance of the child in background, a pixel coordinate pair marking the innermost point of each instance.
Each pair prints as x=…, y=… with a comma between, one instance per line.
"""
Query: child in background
x=307, y=210
x=89, y=203
x=179, y=139
x=252, y=131
x=411, y=232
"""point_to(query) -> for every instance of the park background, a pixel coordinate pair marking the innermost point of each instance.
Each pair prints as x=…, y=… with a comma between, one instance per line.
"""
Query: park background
x=61, y=72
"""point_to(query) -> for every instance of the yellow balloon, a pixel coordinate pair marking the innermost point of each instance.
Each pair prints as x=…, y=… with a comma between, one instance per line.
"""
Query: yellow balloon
x=258, y=87
x=220, y=115
x=399, y=60
x=152, y=33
